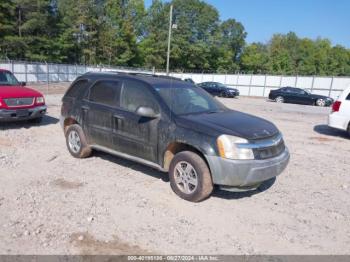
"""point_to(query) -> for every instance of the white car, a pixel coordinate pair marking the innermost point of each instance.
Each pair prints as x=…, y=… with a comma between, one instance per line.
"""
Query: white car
x=340, y=115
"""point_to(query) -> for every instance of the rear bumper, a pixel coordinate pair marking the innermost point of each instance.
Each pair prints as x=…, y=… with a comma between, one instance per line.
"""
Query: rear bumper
x=338, y=121
x=7, y=115
x=245, y=173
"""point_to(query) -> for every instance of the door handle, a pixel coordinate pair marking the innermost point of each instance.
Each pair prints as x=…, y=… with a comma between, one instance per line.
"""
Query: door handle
x=85, y=108
x=118, y=116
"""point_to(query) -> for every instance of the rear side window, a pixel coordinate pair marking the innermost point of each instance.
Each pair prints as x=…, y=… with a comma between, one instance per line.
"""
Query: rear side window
x=77, y=88
x=106, y=92
x=348, y=97
x=136, y=94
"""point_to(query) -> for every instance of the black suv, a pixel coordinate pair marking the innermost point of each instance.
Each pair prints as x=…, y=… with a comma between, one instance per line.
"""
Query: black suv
x=173, y=126
x=218, y=89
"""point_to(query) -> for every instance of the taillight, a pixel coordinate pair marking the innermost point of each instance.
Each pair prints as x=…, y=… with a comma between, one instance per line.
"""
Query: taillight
x=336, y=106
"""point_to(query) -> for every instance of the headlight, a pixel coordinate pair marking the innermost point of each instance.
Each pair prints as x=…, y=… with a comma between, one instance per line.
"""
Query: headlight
x=40, y=100
x=232, y=147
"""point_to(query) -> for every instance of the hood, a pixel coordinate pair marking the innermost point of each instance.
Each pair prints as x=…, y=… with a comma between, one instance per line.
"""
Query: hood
x=17, y=91
x=231, y=123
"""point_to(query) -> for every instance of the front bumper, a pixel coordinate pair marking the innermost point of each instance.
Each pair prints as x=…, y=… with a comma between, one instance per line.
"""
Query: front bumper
x=233, y=94
x=7, y=115
x=245, y=173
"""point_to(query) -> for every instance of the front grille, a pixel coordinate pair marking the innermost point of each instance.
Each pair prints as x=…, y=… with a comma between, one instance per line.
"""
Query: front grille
x=15, y=102
x=269, y=152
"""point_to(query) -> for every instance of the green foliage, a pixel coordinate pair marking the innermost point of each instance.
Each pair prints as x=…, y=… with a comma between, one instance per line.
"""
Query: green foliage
x=123, y=32
x=255, y=58
x=291, y=55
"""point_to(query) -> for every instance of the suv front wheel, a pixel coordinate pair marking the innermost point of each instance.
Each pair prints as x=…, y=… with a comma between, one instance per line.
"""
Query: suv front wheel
x=190, y=177
x=76, y=142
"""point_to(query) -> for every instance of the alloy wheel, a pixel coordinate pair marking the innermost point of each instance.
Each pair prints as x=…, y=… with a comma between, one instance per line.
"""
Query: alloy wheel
x=74, y=141
x=186, y=177
x=321, y=102
x=279, y=99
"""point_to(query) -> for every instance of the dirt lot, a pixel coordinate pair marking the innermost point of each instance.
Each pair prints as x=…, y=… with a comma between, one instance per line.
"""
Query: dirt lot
x=51, y=203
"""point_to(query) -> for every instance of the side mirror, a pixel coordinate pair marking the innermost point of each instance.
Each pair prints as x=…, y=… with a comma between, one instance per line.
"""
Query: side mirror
x=23, y=83
x=146, y=112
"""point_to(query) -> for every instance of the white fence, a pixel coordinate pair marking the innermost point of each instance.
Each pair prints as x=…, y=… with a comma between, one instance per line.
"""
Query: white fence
x=260, y=85
x=249, y=85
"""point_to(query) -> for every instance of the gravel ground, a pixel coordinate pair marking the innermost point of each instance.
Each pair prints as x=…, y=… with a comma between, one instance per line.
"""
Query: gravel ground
x=51, y=203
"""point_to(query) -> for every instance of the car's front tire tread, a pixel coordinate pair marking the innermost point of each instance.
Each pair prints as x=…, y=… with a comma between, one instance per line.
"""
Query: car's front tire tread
x=205, y=184
x=85, y=150
x=279, y=99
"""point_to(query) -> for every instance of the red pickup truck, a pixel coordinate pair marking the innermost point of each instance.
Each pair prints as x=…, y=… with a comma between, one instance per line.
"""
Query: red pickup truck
x=18, y=102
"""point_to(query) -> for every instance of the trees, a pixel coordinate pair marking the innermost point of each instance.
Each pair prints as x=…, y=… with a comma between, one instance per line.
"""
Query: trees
x=339, y=61
x=255, y=59
x=9, y=43
x=153, y=44
x=24, y=28
x=231, y=41
x=35, y=22
x=290, y=55
x=123, y=32
x=191, y=42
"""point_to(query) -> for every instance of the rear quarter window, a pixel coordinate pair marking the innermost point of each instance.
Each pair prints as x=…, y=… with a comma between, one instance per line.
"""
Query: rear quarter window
x=348, y=97
x=77, y=89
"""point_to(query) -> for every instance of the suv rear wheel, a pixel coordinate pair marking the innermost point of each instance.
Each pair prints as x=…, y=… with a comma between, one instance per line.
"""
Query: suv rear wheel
x=76, y=142
x=190, y=177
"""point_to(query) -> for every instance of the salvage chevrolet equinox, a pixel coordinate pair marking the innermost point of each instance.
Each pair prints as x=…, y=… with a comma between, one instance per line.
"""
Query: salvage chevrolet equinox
x=173, y=126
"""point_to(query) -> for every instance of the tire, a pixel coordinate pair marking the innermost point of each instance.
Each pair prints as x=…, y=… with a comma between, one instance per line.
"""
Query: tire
x=320, y=102
x=194, y=171
x=76, y=142
x=222, y=94
x=37, y=120
x=349, y=130
x=279, y=99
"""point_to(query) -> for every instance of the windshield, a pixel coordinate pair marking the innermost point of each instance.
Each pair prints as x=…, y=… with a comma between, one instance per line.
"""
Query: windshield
x=189, y=100
x=8, y=79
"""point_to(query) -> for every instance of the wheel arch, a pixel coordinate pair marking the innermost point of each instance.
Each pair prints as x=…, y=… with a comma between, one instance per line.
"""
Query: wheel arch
x=68, y=121
x=176, y=147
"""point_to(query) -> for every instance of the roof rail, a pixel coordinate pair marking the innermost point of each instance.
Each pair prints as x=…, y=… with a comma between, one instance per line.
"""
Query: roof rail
x=137, y=74
x=154, y=75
